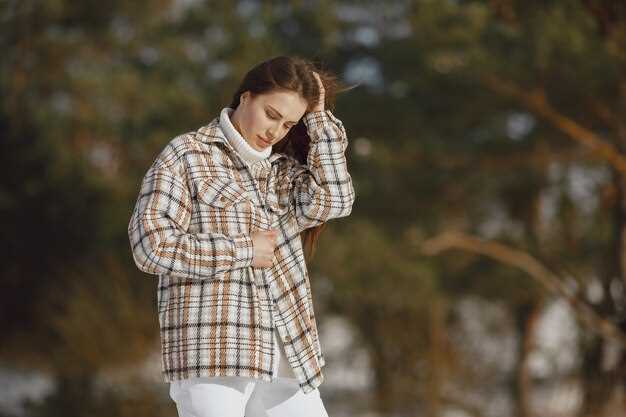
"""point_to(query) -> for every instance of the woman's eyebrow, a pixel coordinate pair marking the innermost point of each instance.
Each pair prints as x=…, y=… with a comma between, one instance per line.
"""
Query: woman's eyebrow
x=277, y=112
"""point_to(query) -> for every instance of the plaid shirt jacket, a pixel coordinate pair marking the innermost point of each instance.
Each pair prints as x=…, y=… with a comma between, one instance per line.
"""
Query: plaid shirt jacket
x=191, y=226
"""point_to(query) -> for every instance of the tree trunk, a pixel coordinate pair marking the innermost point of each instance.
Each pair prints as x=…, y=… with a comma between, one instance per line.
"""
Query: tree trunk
x=600, y=384
x=527, y=318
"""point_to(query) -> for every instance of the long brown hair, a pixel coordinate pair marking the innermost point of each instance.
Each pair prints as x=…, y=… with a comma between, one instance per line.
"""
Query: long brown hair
x=294, y=73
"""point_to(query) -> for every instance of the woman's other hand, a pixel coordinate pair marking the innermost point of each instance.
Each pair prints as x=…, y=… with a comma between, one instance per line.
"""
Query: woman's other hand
x=264, y=242
x=320, y=103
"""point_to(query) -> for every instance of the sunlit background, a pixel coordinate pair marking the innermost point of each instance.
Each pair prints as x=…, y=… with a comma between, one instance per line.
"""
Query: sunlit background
x=482, y=271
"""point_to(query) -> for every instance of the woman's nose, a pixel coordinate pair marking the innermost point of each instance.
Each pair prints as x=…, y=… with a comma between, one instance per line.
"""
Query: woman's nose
x=271, y=133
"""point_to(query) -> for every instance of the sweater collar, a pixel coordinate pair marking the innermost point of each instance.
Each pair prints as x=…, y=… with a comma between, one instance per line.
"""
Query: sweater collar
x=237, y=141
x=212, y=132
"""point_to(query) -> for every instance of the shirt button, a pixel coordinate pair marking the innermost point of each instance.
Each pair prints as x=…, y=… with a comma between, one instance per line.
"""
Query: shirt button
x=222, y=198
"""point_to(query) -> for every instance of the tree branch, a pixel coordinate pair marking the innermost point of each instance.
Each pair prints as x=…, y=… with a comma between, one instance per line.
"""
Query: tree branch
x=530, y=265
x=537, y=103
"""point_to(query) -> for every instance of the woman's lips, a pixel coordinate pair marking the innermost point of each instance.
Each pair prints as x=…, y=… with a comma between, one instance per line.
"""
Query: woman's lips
x=265, y=141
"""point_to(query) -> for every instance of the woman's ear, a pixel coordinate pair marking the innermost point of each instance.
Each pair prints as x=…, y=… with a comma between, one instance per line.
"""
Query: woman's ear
x=244, y=97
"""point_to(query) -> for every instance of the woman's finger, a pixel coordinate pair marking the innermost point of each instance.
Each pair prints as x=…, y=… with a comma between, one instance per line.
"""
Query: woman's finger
x=319, y=82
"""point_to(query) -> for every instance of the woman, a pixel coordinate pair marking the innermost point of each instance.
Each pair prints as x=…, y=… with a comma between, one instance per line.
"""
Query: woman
x=224, y=217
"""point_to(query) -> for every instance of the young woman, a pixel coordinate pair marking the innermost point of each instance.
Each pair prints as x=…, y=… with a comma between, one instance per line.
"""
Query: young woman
x=226, y=217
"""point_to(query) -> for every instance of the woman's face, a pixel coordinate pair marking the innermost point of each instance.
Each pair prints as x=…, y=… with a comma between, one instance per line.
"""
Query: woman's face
x=267, y=116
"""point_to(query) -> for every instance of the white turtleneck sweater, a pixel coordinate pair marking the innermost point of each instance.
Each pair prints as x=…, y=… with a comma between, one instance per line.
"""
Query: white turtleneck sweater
x=251, y=155
x=242, y=147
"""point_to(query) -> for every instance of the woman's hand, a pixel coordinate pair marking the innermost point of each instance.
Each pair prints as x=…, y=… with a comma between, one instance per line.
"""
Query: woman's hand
x=264, y=243
x=320, y=103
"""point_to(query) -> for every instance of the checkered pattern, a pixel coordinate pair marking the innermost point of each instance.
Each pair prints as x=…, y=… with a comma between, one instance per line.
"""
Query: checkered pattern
x=191, y=226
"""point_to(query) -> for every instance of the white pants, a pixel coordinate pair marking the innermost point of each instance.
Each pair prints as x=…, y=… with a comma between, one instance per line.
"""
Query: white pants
x=233, y=396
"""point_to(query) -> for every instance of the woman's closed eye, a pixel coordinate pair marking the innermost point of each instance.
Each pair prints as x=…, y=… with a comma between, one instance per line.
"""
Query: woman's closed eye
x=276, y=118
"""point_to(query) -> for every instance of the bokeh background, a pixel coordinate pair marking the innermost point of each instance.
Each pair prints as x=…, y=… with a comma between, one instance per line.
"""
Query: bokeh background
x=482, y=271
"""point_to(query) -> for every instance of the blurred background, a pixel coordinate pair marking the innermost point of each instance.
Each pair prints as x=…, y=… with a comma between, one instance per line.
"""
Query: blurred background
x=482, y=271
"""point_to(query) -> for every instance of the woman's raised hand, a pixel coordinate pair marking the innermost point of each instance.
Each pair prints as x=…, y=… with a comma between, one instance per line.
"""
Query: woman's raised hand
x=320, y=103
x=264, y=242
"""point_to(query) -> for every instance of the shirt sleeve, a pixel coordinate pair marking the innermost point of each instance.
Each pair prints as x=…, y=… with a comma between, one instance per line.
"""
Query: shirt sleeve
x=158, y=234
x=322, y=189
